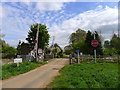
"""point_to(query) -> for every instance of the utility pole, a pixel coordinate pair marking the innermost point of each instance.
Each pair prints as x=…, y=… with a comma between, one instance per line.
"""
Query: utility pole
x=36, y=44
x=95, y=49
x=52, y=46
x=118, y=19
x=118, y=32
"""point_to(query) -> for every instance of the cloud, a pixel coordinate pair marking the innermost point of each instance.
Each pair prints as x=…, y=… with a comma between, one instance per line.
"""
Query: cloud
x=50, y=6
x=103, y=20
x=14, y=43
x=39, y=0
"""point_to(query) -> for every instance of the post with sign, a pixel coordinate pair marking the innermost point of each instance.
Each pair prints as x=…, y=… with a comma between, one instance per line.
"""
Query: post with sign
x=94, y=43
x=78, y=55
x=17, y=60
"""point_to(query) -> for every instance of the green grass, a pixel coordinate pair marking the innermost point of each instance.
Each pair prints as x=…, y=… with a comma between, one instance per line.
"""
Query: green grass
x=99, y=75
x=9, y=70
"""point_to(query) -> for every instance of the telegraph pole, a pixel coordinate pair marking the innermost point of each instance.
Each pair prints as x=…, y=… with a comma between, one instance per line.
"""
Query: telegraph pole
x=118, y=19
x=95, y=49
x=52, y=45
x=36, y=44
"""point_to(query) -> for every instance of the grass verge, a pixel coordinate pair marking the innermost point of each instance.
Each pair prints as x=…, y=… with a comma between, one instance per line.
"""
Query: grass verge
x=9, y=70
x=99, y=75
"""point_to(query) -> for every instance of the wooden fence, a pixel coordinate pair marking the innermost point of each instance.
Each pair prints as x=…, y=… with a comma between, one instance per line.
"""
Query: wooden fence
x=100, y=59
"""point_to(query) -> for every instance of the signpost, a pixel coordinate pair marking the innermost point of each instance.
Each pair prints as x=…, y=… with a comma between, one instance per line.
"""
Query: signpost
x=78, y=55
x=39, y=50
x=94, y=43
x=17, y=60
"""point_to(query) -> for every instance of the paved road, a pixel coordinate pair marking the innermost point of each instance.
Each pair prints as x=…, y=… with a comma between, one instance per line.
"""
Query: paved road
x=37, y=78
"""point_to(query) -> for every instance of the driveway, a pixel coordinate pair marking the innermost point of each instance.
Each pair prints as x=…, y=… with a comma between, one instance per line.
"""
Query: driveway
x=37, y=78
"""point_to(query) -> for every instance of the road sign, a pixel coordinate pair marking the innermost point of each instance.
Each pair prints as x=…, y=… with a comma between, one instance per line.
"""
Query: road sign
x=35, y=41
x=39, y=50
x=17, y=60
x=94, y=43
x=77, y=50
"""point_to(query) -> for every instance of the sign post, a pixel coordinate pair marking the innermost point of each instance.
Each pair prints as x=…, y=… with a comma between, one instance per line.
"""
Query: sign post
x=17, y=60
x=78, y=55
x=39, y=50
x=94, y=43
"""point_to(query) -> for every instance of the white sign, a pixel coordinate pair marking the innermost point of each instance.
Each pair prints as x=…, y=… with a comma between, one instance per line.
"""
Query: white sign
x=17, y=60
x=39, y=50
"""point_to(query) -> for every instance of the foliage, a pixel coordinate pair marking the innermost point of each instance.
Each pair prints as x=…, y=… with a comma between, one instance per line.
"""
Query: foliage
x=79, y=40
x=76, y=40
x=100, y=75
x=106, y=44
x=110, y=51
x=23, y=48
x=78, y=35
x=68, y=49
x=89, y=47
x=80, y=45
x=112, y=47
x=9, y=70
x=43, y=37
x=7, y=51
x=115, y=43
x=57, y=50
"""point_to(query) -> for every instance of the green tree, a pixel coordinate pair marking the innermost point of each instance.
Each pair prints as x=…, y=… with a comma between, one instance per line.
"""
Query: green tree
x=80, y=45
x=75, y=40
x=7, y=51
x=57, y=51
x=68, y=49
x=23, y=48
x=99, y=47
x=43, y=38
x=89, y=48
x=78, y=35
x=115, y=43
x=106, y=44
x=110, y=51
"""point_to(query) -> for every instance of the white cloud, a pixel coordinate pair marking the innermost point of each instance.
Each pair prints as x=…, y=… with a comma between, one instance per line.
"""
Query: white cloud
x=50, y=6
x=1, y=14
x=61, y=0
x=104, y=19
x=39, y=0
x=100, y=19
x=14, y=43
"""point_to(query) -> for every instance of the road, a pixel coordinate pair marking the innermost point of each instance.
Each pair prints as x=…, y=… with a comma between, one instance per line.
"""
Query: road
x=37, y=78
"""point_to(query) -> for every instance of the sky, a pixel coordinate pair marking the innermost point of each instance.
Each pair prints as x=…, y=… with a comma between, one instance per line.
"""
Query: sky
x=61, y=18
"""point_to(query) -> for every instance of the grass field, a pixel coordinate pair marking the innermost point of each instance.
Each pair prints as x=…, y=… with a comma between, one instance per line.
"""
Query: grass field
x=9, y=70
x=99, y=75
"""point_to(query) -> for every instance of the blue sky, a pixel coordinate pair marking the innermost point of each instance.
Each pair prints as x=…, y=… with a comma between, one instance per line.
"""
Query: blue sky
x=62, y=18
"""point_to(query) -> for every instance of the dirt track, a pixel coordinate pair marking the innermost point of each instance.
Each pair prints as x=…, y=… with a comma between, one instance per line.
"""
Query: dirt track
x=37, y=78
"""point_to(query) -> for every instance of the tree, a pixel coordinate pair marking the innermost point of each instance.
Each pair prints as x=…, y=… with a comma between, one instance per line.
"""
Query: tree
x=78, y=35
x=80, y=45
x=110, y=51
x=43, y=38
x=99, y=47
x=75, y=40
x=57, y=51
x=23, y=48
x=89, y=47
x=115, y=43
x=67, y=49
x=7, y=51
x=106, y=44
